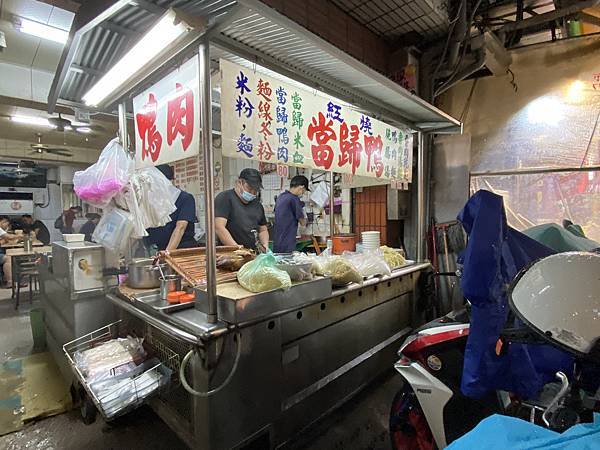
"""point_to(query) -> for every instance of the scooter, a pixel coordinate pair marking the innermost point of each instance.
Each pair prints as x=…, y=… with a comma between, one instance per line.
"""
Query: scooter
x=430, y=411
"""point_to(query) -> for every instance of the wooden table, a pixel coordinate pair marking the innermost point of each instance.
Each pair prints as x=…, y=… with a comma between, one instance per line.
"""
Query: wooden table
x=20, y=245
x=13, y=253
x=20, y=251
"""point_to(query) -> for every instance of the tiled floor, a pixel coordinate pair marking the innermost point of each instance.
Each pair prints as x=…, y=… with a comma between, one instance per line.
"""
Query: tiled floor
x=359, y=424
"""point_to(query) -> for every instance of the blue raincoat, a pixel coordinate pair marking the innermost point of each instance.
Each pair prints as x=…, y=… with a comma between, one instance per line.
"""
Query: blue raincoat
x=494, y=255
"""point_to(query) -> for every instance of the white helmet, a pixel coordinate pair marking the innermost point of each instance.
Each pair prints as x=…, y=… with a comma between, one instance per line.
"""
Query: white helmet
x=559, y=296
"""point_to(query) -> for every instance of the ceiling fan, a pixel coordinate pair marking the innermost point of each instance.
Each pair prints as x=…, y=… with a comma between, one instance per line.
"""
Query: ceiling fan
x=40, y=148
x=61, y=124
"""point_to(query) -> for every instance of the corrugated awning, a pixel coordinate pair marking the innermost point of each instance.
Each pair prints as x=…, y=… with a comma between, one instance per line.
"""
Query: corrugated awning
x=247, y=32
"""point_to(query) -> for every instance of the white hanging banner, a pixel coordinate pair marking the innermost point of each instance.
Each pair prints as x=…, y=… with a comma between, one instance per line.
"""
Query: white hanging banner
x=268, y=120
x=167, y=118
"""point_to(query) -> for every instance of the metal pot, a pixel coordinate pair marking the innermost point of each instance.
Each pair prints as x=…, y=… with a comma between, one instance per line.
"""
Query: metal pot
x=143, y=274
x=170, y=283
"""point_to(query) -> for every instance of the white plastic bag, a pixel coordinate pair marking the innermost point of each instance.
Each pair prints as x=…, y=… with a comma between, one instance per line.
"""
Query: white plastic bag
x=340, y=269
x=122, y=391
x=150, y=198
x=369, y=264
x=110, y=359
x=99, y=183
x=320, y=196
x=114, y=229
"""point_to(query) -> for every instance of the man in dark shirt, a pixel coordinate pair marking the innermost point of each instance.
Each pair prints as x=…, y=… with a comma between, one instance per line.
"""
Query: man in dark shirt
x=37, y=227
x=238, y=211
x=89, y=227
x=65, y=222
x=288, y=212
x=179, y=232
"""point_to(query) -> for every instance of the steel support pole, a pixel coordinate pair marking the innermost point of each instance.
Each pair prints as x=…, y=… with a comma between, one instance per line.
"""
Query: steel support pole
x=123, y=136
x=209, y=203
x=420, y=241
x=331, y=202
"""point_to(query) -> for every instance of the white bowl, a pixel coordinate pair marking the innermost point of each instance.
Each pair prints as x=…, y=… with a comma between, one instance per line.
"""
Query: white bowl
x=75, y=237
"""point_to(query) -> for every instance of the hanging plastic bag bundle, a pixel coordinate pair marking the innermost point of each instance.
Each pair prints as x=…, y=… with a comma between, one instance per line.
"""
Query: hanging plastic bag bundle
x=99, y=183
x=156, y=196
x=150, y=198
x=261, y=275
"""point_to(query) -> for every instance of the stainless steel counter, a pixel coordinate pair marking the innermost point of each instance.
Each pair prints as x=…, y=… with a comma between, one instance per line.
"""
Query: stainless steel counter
x=402, y=271
x=303, y=356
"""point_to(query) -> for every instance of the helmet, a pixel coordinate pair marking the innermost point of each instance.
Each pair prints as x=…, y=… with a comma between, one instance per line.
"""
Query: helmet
x=559, y=297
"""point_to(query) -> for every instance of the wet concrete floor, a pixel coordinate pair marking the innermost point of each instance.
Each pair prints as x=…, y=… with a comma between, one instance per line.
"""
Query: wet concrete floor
x=359, y=424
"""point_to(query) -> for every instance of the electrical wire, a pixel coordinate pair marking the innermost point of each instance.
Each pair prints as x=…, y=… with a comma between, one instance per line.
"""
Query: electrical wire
x=464, y=50
x=446, y=45
x=512, y=80
x=460, y=6
x=467, y=106
x=210, y=393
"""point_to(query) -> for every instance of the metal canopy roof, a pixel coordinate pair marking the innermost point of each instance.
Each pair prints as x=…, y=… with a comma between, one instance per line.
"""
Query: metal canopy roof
x=243, y=30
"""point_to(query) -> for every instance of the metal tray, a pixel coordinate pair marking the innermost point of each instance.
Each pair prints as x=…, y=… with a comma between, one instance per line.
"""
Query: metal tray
x=153, y=300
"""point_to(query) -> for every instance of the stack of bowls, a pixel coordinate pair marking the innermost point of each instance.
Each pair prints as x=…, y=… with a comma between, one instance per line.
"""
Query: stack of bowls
x=370, y=240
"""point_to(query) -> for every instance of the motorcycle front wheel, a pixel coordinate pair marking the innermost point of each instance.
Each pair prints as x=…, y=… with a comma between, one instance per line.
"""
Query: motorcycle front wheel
x=409, y=429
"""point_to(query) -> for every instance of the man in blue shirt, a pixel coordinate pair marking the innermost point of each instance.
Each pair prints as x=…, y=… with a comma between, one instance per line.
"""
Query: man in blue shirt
x=288, y=212
x=179, y=232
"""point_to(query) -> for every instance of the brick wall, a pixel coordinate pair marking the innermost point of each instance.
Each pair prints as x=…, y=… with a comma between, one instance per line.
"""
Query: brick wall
x=189, y=173
x=335, y=26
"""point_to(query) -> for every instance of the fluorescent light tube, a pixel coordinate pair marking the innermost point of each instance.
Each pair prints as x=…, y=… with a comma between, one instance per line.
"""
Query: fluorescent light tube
x=164, y=33
x=43, y=31
x=32, y=120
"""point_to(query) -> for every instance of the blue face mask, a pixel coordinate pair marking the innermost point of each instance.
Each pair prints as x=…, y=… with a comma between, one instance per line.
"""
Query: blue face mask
x=247, y=196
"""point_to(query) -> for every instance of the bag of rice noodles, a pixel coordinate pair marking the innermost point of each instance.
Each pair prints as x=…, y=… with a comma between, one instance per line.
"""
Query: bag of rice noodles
x=392, y=257
x=341, y=271
x=261, y=275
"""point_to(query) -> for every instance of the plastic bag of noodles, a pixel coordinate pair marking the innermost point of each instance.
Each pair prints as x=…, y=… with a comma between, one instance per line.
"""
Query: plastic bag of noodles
x=261, y=275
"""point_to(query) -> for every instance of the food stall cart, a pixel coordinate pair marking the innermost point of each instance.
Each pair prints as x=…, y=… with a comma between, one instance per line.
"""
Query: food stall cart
x=254, y=369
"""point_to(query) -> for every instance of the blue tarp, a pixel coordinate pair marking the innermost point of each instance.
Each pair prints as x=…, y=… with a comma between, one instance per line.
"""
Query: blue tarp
x=494, y=255
x=561, y=239
x=501, y=432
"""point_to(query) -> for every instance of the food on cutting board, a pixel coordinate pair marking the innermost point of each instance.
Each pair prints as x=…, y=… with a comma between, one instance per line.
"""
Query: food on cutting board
x=341, y=271
x=235, y=260
x=392, y=257
x=261, y=275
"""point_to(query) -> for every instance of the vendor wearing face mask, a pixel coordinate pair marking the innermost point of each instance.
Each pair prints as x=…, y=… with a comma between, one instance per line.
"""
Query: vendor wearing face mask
x=238, y=211
x=288, y=213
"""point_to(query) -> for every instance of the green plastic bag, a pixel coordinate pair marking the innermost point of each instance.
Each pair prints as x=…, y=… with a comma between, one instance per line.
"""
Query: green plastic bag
x=261, y=275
